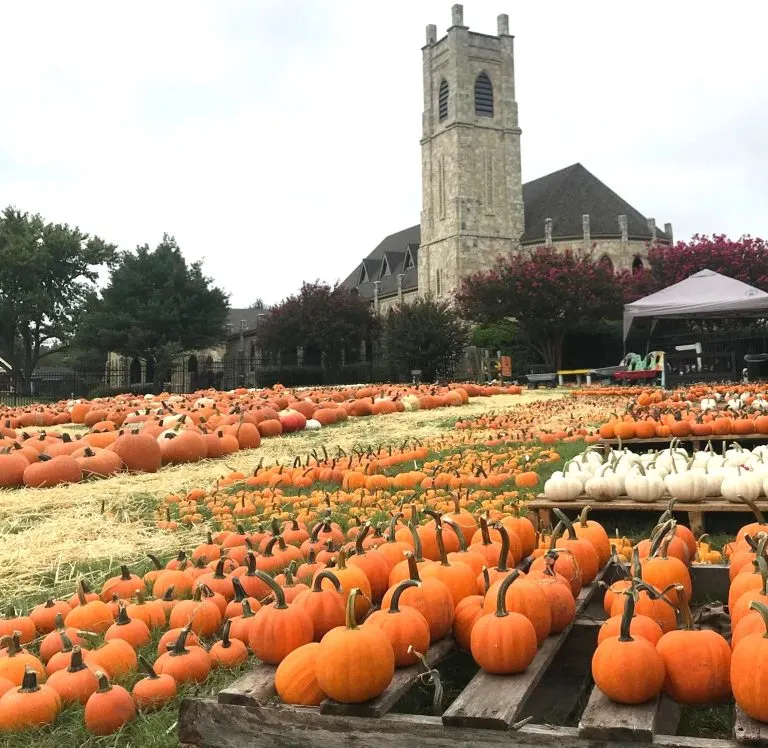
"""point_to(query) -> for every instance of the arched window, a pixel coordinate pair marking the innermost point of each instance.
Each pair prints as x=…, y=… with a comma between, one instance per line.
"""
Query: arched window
x=606, y=262
x=192, y=365
x=483, y=96
x=442, y=101
x=637, y=265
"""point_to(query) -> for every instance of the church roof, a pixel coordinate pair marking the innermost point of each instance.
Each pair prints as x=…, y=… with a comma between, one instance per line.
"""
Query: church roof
x=567, y=194
x=564, y=196
x=399, y=253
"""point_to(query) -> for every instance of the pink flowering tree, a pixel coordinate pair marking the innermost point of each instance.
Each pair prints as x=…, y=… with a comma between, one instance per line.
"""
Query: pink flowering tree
x=548, y=292
x=745, y=259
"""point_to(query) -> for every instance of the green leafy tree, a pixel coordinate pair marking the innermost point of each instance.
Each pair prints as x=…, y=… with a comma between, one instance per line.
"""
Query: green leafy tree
x=47, y=274
x=155, y=306
x=424, y=334
x=326, y=319
x=547, y=292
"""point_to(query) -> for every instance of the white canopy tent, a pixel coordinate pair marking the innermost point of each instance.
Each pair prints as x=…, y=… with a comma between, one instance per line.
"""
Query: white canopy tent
x=704, y=294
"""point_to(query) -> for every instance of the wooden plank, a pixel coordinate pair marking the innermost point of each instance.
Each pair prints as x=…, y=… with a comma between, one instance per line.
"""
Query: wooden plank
x=253, y=689
x=686, y=439
x=748, y=730
x=496, y=701
x=604, y=719
x=400, y=685
x=625, y=504
x=204, y=723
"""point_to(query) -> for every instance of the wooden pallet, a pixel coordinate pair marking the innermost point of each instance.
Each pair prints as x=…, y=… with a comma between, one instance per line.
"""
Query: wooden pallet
x=543, y=506
x=490, y=710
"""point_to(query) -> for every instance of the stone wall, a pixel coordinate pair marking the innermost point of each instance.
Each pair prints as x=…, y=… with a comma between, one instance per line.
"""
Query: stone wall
x=621, y=254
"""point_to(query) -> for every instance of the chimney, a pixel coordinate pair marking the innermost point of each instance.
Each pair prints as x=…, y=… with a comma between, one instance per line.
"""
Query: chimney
x=548, y=232
x=431, y=34
x=668, y=232
x=585, y=231
x=502, y=24
x=457, y=16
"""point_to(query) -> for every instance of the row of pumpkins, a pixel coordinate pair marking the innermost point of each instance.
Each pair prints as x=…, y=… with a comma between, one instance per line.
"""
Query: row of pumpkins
x=339, y=627
x=738, y=474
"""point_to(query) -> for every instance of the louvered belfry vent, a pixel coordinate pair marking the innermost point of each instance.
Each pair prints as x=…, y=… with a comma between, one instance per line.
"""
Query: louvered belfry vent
x=483, y=96
x=442, y=101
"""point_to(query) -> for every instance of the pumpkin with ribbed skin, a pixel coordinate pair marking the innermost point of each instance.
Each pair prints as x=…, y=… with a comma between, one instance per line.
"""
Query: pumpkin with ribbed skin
x=153, y=691
x=108, y=708
x=325, y=607
x=52, y=471
x=354, y=663
x=296, y=678
x=278, y=628
x=526, y=597
x=697, y=663
x=16, y=661
x=640, y=625
x=139, y=451
x=44, y=615
x=228, y=652
x=13, y=622
x=748, y=667
x=89, y=615
x=28, y=705
x=628, y=670
x=187, y=664
x=405, y=626
x=466, y=614
x=75, y=683
x=457, y=577
x=503, y=642
x=595, y=533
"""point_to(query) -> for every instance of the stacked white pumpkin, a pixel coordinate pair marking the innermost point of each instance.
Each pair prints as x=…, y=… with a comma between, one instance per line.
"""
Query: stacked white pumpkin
x=737, y=474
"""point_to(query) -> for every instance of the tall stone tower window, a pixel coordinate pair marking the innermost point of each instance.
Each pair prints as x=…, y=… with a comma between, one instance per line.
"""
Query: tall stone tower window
x=442, y=101
x=483, y=96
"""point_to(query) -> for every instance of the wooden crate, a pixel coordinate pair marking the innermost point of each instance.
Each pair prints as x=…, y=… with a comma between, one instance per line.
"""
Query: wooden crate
x=542, y=507
x=491, y=710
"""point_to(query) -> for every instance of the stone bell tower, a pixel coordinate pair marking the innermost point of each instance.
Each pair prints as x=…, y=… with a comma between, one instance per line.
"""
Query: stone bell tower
x=470, y=152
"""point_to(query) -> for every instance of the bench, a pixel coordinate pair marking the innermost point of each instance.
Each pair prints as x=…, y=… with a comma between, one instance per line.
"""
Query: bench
x=578, y=373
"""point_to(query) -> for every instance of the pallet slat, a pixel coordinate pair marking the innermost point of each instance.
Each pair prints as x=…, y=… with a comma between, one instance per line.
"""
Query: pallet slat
x=496, y=701
x=254, y=689
x=604, y=719
x=748, y=730
x=401, y=684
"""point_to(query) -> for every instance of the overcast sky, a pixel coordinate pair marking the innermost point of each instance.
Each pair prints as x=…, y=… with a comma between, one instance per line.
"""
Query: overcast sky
x=279, y=140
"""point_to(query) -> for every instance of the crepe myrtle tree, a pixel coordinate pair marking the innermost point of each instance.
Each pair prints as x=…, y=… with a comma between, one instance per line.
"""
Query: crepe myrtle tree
x=547, y=292
x=745, y=259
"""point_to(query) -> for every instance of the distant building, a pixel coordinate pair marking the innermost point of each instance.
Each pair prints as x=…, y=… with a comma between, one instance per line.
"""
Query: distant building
x=475, y=205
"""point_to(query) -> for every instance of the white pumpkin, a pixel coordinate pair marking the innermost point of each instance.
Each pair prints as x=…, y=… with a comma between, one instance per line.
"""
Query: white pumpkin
x=708, y=403
x=742, y=484
x=411, y=402
x=563, y=488
x=686, y=485
x=644, y=486
x=603, y=487
x=313, y=425
x=737, y=455
x=589, y=459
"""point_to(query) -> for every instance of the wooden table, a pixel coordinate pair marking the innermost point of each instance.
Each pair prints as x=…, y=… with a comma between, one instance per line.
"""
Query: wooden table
x=696, y=511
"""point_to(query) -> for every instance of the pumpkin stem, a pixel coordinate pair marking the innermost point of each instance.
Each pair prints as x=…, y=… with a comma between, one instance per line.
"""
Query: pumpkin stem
x=413, y=568
x=556, y=533
x=441, y=546
x=501, y=597
x=147, y=668
x=486, y=578
x=393, y=525
x=280, y=603
x=168, y=596
x=683, y=608
x=225, y=642
x=81, y=592
x=759, y=516
x=504, y=551
x=402, y=587
x=459, y=534
x=568, y=524
x=247, y=612
x=104, y=685
x=29, y=682
x=350, y=613
x=417, y=550
x=366, y=528
x=484, y=530
x=762, y=609
x=317, y=585
x=626, y=617
x=180, y=646
x=122, y=615
x=583, y=516
x=76, y=663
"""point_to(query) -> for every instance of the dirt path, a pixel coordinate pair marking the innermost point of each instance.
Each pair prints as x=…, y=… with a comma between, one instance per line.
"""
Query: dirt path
x=46, y=532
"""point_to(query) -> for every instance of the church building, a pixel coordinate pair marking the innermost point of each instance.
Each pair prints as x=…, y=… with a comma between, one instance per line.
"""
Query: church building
x=475, y=206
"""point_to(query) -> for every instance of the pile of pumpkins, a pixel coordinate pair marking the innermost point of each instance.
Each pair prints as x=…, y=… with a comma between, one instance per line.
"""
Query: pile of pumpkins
x=737, y=475
x=642, y=650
